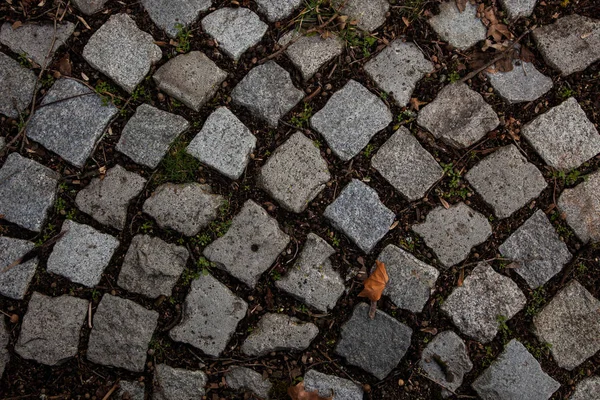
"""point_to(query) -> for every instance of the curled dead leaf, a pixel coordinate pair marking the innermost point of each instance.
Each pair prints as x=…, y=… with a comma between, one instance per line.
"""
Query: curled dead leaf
x=375, y=283
x=461, y=277
x=64, y=65
x=299, y=393
x=16, y=24
x=461, y=5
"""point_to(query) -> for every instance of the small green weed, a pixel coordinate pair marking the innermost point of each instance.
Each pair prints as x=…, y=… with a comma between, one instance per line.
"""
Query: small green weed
x=140, y=94
x=505, y=331
x=317, y=144
x=405, y=117
x=24, y=61
x=47, y=81
x=454, y=77
x=368, y=150
x=96, y=295
x=409, y=243
x=146, y=227
x=47, y=233
x=202, y=239
x=568, y=178
x=360, y=40
x=538, y=298
x=183, y=39
x=335, y=240
x=301, y=119
x=276, y=275
x=219, y=228
x=178, y=166
x=540, y=351
x=108, y=93
x=565, y=92
x=159, y=347
x=582, y=268
x=60, y=204
x=489, y=356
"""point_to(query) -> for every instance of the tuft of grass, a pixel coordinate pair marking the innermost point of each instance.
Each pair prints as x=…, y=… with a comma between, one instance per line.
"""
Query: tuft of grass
x=178, y=166
x=183, y=39
x=505, y=331
x=368, y=151
x=412, y=9
x=565, y=92
x=538, y=298
x=302, y=118
x=539, y=352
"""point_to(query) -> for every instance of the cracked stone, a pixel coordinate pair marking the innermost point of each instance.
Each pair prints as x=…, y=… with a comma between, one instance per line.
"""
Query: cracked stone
x=461, y=29
x=485, y=295
x=523, y=84
x=90, y=7
x=310, y=53
x=178, y=384
x=351, y=117
x=17, y=85
x=239, y=378
x=130, y=390
x=369, y=15
x=4, y=339
x=581, y=207
x=332, y=386
x=587, y=389
x=15, y=282
x=518, y=8
x=276, y=10
x=174, y=15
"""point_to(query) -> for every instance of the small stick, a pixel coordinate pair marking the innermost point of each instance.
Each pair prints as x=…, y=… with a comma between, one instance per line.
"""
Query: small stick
x=112, y=390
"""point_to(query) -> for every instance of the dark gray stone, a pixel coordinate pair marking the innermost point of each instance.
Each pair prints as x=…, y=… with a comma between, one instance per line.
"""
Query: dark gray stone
x=130, y=390
x=15, y=282
x=4, y=354
x=310, y=53
x=244, y=378
x=369, y=15
x=518, y=8
x=587, y=389
x=276, y=10
x=332, y=386
x=581, y=207
x=17, y=85
x=178, y=384
x=174, y=15
x=523, y=84
x=89, y=7
x=461, y=29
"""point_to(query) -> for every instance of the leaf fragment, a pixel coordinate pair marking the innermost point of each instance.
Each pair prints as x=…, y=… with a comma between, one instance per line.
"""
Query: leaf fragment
x=375, y=283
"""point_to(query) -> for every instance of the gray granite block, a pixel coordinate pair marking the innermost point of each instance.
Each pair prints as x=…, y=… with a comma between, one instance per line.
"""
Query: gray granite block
x=250, y=246
x=452, y=233
x=149, y=133
x=518, y=8
x=121, y=334
x=239, y=378
x=186, y=207
x=4, y=354
x=377, y=345
x=235, y=29
x=15, y=282
x=224, y=143
x=563, y=136
x=17, y=85
x=211, y=314
x=351, y=117
x=279, y=332
x=369, y=15
x=130, y=390
x=332, y=386
x=459, y=123
x=107, y=198
x=82, y=254
x=587, y=389
x=70, y=106
x=178, y=384
x=276, y=10
x=174, y=15
x=571, y=324
x=406, y=165
x=310, y=53
x=267, y=92
x=27, y=191
x=360, y=215
x=581, y=208
x=398, y=68
x=485, y=296
x=191, y=78
x=461, y=29
x=152, y=266
x=89, y=7
x=523, y=84
x=51, y=327
x=122, y=52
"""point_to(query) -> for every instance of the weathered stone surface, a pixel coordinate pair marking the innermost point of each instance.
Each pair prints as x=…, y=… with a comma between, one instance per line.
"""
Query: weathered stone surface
x=447, y=349
x=563, y=136
x=27, y=191
x=587, y=389
x=277, y=9
x=295, y=173
x=15, y=282
x=484, y=296
x=174, y=15
x=244, y=378
x=121, y=334
x=459, y=123
x=149, y=133
x=224, y=143
x=211, y=314
x=82, y=253
x=369, y=15
x=152, y=266
x=332, y=386
x=50, y=330
x=406, y=165
x=312, y=279
x=377, y=345
x=17, y=85
x=106, y=199
x=250, y=246
x=178, y=384
x=351, y=117
x=571, y=44
x=537, y=249
x=2, y=140
x=460, y=29
x=4, y=354
x=452, y=233
x=411, y=280
x=76, y=109
x=571, y=324
x=516, y=374
x=38, y=42
x=310, y=53
x=235, y=29
x=268, y=92
x=279, y=332
x=187, y=207
x=523, y=83
x=398, y=68
x=581, y=206
x=518, y=8
x=506, y=180
x=130, y=390
x=89, y=7
x=360, y=215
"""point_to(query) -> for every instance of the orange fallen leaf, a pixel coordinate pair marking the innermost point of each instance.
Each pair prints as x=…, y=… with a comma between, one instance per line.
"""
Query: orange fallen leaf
x=375, y=283
x=415, y=104
x=298, y=393
x=461, y=277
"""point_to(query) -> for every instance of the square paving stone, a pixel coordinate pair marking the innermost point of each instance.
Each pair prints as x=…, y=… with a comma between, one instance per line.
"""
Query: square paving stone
x=121, y=334
x=351, y=117
x=235, y=29
x=82, y=254
x=310, y=53
x=247, y=379
x=178, y=384
x=485, y=296
x=71, y=121
x=571, y=324
x=518, y=8
x=224, y=143
x=152, y=266
x=332, y=386
x=276, y=10
x=537, y=249
x=563, y=136
x=51, y=327
x=458, y=115
x=106, y=199
x=17, y=85
x=375, y=345
x=175, y=15
x=452, y=233
x=295, y=173
x=516, y=374
x=122, y=52
x=398, y=68
x=268, y=92
x=191, y=78
x=15, y=282
x=187, y=207
x=461, y=29
x=90, y=7
x=250, y=246
x=581, y=207
x=211, y=314
x=131, y=390
x=411, y=280
x=360, y=215
x=523, y=84
x=149, y=133
x=27, y=191
x=369, y=15
x=587, y=389
x=406, y=165
x=506, y=180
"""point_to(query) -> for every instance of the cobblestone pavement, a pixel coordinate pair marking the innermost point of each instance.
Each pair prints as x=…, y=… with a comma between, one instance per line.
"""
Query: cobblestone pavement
x=193, y=191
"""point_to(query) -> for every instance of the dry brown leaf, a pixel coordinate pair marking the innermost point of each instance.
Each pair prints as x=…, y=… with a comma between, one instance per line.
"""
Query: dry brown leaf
x=415, y=104
x=406, y=21
x=461, y=277
x=504, y=65
x=298, y=393
x=64, y=65
x=444, y=203
x=16, y=24
x=430, y=330
x=394, y=225
x=84, y=22
x=526, y=55
x=461, y=5
x=375, y=283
